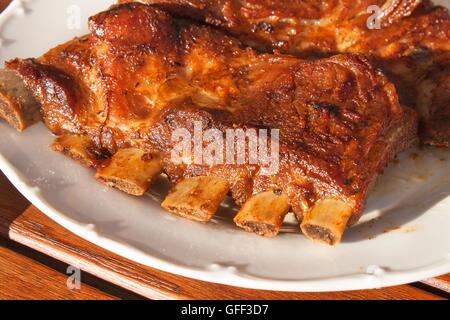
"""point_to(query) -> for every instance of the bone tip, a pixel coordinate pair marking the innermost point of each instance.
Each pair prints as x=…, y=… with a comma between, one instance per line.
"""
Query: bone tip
x=320, y=235
x=259, y=228
x=195, y=215
x=121, y=185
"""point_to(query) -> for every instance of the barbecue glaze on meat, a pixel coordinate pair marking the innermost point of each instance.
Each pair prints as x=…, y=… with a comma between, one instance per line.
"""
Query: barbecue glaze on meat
x=142, y=74
x=412, y=47
x=300, y=27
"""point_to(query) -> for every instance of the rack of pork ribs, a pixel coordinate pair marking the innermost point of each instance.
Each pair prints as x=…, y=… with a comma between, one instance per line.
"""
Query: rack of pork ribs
x=114, y=98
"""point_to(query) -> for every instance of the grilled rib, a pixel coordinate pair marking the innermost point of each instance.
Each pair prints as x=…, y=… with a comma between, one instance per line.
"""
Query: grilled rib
x=412, y=47
x=142, y=74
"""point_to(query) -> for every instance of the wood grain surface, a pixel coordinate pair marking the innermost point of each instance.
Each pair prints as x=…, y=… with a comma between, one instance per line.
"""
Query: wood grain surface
x=22, y=277
x=442, y=283
x=4, y=4
x=25, y=278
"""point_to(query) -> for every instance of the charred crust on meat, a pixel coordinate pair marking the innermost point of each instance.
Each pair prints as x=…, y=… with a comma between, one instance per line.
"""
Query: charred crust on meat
x=325, y=107
x=263, y=26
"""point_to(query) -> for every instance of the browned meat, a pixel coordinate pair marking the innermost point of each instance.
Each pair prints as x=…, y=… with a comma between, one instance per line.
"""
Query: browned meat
x=299, y=27
x=142, y=74
x=412, y=48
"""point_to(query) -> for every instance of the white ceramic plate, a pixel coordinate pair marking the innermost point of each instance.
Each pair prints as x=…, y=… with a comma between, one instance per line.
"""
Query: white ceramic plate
x=409, y=241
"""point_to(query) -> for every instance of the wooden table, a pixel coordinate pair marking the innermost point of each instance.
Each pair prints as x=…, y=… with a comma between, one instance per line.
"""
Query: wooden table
x=35, y=253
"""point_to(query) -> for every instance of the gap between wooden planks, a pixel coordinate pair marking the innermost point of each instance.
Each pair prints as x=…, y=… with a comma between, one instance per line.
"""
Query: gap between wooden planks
x=24, y=278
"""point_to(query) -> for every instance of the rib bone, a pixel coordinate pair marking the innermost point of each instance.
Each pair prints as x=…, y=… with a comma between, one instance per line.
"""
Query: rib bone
x=264, y=213
x=131, y=171
x=78, y=148
x=327, y=220
x=197, y=198
x=17, y=104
